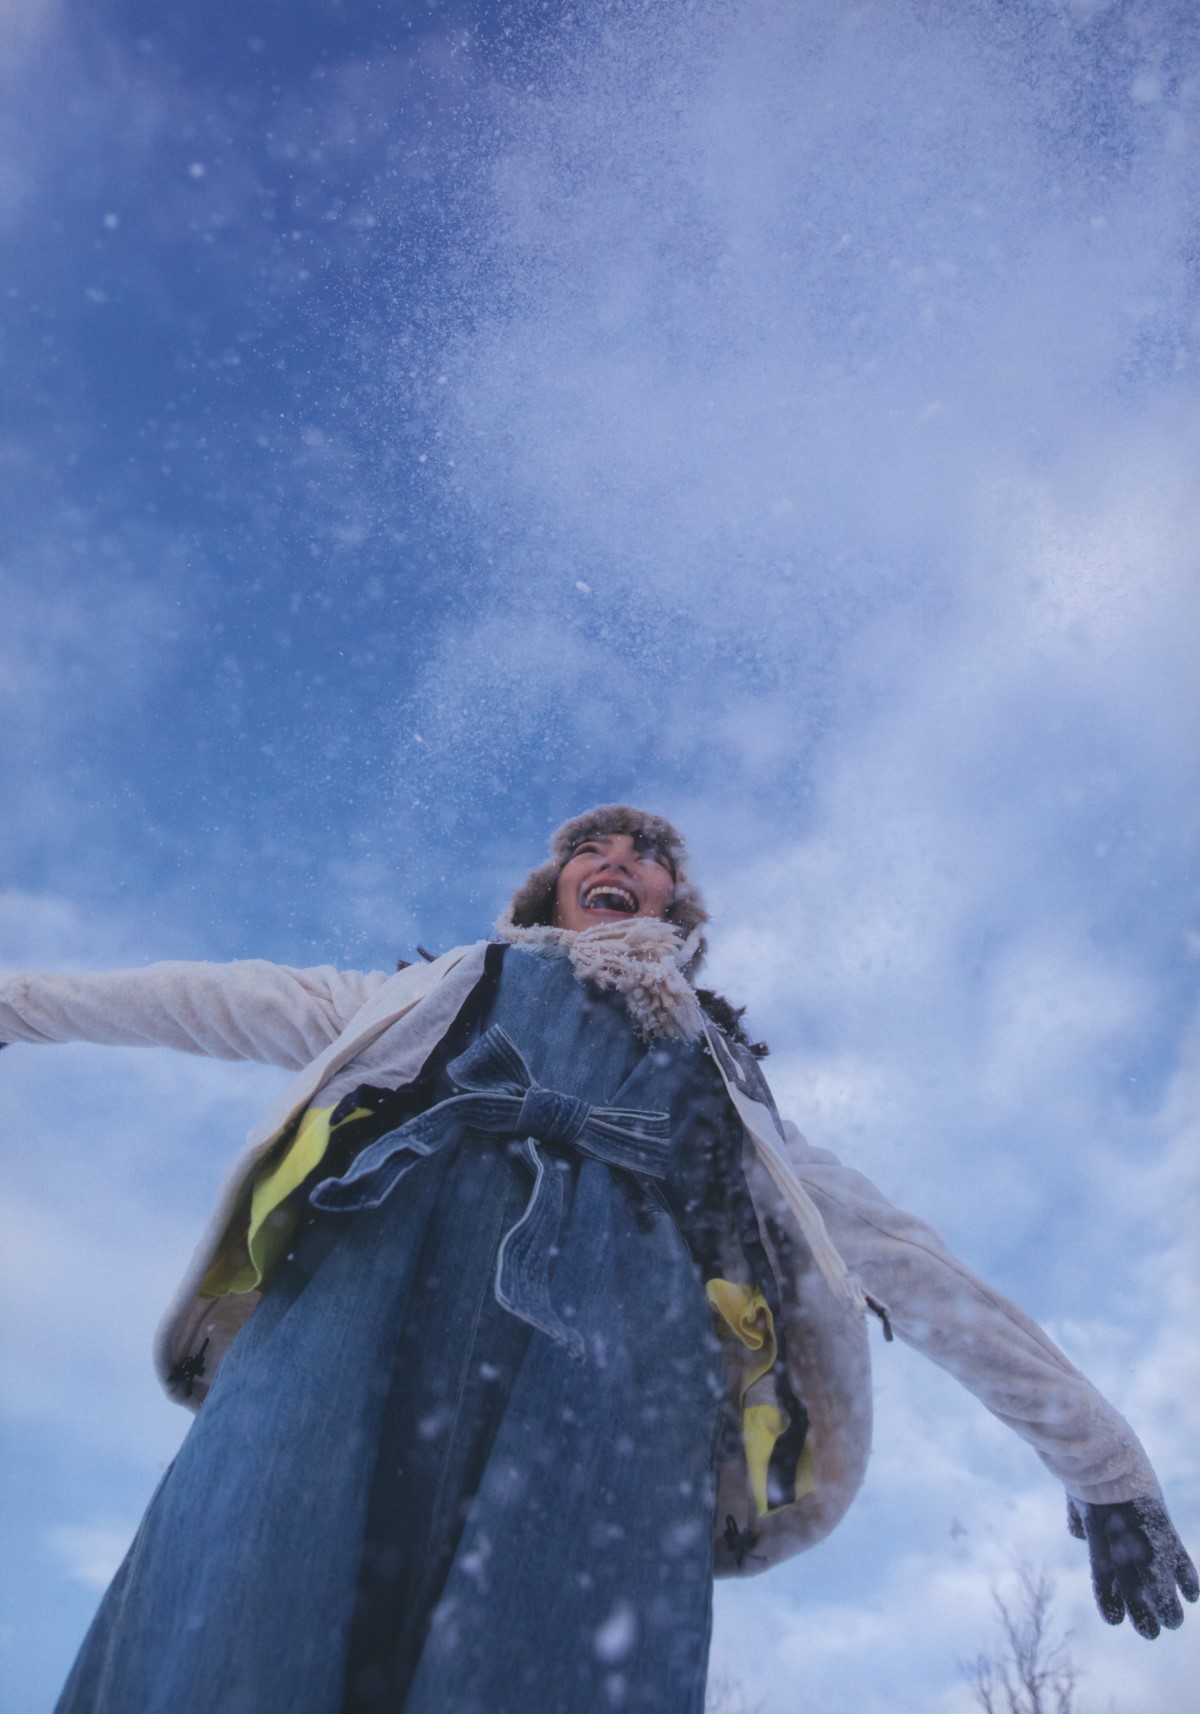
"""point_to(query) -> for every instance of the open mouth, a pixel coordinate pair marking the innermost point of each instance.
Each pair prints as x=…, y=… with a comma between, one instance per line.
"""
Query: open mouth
x=607, y=897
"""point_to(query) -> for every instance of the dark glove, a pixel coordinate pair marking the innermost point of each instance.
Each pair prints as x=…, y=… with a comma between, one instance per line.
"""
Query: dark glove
x=1137, y=1559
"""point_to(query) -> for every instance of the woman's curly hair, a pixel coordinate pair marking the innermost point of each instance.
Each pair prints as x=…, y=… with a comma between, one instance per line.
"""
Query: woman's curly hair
x=728, y=1017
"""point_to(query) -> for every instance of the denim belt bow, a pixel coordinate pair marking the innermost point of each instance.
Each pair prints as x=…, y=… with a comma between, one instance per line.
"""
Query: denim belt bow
x=500, y=1099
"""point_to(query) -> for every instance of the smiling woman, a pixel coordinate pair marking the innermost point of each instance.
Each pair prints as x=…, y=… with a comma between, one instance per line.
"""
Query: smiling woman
x=523, y=1316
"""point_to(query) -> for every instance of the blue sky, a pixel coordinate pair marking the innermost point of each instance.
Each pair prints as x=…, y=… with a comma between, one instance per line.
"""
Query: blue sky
x=420, y=422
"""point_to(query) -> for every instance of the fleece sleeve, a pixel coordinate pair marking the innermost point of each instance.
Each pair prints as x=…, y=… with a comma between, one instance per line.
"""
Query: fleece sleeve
x=936, y=1304
x=246, y=1010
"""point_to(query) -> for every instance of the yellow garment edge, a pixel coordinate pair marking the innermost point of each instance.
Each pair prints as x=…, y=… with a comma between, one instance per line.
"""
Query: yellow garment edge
x=745, y=1312
x=246, y=1265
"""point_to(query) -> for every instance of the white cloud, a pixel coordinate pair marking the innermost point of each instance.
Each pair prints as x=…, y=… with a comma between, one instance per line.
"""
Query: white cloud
x=91, y=1553
x=47, y=931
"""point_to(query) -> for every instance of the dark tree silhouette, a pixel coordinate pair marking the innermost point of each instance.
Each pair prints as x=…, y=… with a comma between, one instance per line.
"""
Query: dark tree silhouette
x=1031, y=1670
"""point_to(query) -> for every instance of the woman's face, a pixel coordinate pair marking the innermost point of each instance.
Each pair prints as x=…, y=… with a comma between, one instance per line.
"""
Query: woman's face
x=609, y=879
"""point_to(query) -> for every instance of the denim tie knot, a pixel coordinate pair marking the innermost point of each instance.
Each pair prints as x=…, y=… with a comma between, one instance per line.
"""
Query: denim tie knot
x=551, y=1117
x=499, y=1098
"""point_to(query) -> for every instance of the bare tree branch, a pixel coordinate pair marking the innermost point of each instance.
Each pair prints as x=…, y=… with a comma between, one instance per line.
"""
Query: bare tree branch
x=1031, y=1671
x=726, y=1696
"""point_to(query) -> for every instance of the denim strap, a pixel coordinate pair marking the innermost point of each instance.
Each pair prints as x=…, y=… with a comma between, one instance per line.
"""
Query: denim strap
x=499, y=1098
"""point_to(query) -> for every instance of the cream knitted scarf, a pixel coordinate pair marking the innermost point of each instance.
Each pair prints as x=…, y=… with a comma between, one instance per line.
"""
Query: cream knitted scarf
x=642, y=960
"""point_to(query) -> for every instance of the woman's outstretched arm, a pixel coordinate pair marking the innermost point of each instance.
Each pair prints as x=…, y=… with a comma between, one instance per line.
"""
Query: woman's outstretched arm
x=936, y=1304
x=246, y=1010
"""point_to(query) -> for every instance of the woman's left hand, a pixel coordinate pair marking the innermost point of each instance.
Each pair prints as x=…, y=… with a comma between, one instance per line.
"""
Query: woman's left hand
x=1137, y=1562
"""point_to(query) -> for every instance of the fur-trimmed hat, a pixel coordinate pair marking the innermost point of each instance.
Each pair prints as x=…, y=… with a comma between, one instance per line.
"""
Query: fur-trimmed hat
x=533, y=901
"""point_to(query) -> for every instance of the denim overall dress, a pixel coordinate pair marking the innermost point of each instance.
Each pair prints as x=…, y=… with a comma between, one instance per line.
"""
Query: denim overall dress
x=461, y=1458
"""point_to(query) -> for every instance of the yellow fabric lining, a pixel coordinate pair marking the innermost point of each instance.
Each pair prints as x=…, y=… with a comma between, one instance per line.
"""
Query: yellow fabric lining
x=747, y=1315
x=245, y=1265
x=744, y=1311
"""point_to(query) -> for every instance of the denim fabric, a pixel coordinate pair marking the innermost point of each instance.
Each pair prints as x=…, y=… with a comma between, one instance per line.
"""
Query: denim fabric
x=399, y=1498
x=496, y=1096
x=239, y=1588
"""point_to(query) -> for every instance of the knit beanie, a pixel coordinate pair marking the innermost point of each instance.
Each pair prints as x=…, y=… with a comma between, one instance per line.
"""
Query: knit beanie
x=533, y=901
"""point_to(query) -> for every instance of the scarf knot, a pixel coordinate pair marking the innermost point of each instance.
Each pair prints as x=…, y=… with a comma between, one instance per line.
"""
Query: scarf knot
x=643, y=960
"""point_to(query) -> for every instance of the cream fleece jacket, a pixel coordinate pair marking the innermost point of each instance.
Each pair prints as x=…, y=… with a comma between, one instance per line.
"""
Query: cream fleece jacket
x=316, y=1021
